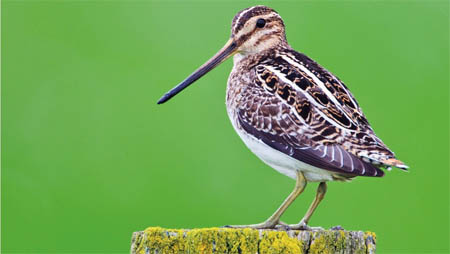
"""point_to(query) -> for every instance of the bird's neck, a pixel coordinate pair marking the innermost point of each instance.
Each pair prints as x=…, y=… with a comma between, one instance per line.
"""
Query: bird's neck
x=249, y=58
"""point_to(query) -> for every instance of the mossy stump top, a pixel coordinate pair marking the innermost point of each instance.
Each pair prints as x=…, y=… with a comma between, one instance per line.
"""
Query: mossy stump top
x=240, y=241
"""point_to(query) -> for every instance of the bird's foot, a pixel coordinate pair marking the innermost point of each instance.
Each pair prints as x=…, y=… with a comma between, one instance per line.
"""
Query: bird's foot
x=282, y=226
x=268, y=224
x=303, y=226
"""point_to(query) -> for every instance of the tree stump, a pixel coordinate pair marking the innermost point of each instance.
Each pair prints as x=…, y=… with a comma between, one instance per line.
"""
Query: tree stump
x=240, y=241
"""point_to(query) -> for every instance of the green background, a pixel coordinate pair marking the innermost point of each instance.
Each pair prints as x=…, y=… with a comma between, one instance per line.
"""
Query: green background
x=88, y=157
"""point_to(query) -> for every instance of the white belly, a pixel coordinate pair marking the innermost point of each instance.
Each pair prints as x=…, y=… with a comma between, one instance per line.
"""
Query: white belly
x=281, y=162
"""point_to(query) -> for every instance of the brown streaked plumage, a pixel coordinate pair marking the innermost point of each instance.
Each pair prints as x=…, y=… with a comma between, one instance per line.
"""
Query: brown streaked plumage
x=292, y=113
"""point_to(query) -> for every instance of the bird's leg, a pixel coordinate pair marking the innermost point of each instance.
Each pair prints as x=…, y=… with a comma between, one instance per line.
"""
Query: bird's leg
x=303, y=224
x=274, y=220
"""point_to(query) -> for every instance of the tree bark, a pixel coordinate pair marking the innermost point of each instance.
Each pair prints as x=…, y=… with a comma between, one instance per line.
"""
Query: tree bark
x=240, y=241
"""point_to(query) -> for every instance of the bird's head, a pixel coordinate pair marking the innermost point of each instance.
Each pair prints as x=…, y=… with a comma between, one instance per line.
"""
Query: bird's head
x=253, y=30
x=256, y=29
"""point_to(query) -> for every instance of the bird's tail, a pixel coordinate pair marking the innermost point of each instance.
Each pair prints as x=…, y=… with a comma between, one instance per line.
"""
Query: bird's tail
x=392, y=162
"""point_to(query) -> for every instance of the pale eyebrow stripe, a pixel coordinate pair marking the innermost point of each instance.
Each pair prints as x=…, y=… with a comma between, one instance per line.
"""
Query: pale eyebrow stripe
x=272, y=15
x=241, y=15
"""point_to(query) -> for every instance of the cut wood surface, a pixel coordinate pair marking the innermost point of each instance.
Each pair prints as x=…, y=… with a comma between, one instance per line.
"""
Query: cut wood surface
x=240, y=241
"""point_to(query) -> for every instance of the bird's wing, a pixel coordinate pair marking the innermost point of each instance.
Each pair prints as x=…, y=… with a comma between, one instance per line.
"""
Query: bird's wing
x=268, y=129
x=323, y=104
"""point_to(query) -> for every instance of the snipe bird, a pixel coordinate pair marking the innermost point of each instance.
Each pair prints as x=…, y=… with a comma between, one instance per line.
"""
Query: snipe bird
x=292, y=113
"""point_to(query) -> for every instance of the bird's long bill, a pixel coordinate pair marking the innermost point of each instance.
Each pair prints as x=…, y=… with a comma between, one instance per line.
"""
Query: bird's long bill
x=227, y=50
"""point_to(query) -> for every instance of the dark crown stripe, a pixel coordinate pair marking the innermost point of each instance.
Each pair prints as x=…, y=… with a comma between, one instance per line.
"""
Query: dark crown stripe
x=243, y=16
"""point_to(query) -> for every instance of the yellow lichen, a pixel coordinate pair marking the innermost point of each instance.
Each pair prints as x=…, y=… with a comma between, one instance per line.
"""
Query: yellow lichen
x=341, y=240
x=320, y=244
x=329, y=242
x=157, y=238
x=372, y=234
x=240, y=241
x=371, y=244
x=279, y=242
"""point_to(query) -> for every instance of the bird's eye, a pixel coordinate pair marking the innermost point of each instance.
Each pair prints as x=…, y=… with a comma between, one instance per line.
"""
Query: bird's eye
x=260, y=23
